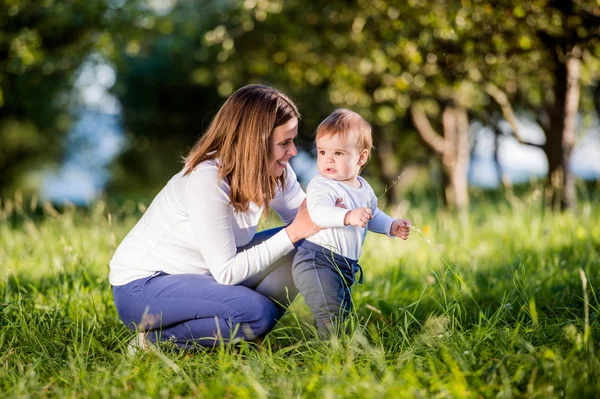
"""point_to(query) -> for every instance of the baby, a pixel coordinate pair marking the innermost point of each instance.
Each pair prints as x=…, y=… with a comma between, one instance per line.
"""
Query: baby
x=325, y=265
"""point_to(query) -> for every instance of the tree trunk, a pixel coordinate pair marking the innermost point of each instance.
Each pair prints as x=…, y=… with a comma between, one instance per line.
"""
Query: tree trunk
x=503, y=178
x=456, y=157
x=387, y=165
x=560, y=133
x=453, y=150
x=597, y=99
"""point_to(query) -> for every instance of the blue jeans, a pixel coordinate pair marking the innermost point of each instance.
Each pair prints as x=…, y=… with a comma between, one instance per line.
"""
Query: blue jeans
x=324, y=279
x=193, y=309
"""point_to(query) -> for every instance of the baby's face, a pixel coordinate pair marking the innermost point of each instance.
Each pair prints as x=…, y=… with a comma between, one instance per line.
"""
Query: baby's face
x=339, y=159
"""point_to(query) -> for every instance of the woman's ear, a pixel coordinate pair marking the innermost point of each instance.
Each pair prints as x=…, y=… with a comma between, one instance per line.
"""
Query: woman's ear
x=363, y=157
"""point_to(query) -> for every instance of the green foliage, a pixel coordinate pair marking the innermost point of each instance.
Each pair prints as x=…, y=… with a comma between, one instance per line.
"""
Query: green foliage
x=381, y=57
x=492, y=305
x=175, y=68
x=167, y=88
x=42, y=46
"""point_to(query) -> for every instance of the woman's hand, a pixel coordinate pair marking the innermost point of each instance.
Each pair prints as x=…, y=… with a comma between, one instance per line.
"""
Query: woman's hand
x=302, y=226
x=339, y=203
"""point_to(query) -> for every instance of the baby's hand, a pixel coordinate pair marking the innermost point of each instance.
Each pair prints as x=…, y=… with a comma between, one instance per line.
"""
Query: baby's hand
x=358, y=217
x=401, y=228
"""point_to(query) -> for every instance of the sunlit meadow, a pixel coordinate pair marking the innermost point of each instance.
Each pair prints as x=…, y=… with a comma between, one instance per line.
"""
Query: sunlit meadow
x=499, y=303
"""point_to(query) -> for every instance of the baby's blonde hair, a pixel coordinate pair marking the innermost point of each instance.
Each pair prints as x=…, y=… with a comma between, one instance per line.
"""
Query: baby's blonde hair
x=342, y=121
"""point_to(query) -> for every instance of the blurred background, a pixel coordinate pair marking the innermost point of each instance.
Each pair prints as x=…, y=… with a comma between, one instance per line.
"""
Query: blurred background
x=103, y=98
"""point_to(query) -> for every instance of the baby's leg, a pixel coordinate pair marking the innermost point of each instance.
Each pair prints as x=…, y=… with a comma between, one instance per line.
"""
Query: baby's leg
x=324, y=291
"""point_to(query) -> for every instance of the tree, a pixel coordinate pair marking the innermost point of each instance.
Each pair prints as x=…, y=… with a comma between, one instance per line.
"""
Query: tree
x=545, y=65
x=170, y=84
x=566, y=43
x=41, y=48
x=327, y=49
x=388, y=60
x=385, y=59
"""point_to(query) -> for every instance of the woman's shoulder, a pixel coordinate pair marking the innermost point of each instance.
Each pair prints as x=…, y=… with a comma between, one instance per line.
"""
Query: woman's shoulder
x=206, y=166
x=205, y=170
x=205, y=176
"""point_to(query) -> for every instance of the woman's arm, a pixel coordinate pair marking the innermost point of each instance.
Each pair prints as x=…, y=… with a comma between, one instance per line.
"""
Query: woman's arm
x=290, y=205
x=211, y=217
x=288, y=200
x=302, y=226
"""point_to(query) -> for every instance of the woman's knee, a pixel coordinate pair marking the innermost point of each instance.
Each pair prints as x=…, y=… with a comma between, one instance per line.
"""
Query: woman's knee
x=258, y=316
x=125, y=307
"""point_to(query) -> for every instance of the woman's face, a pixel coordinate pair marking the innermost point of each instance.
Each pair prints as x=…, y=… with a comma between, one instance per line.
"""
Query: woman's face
x=282, y=147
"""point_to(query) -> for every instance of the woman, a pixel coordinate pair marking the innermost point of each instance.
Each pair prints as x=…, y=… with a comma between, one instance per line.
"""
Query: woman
x=192, y=270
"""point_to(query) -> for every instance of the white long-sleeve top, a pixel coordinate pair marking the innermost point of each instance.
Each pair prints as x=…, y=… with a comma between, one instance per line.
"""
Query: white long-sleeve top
x=191, y=227
x=321, y=196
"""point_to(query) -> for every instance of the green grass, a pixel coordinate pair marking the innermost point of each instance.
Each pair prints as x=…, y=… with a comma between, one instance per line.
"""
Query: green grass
x=502, y=303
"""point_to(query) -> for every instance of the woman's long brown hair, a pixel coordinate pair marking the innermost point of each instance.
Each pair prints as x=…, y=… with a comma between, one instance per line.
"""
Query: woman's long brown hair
x=238, y=137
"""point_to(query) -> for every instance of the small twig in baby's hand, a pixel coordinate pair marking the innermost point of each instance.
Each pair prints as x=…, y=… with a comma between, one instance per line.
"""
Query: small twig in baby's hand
x=392, y=185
